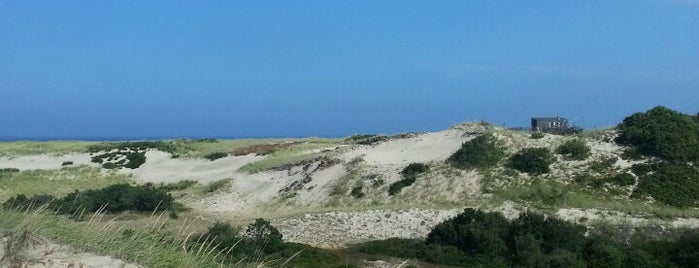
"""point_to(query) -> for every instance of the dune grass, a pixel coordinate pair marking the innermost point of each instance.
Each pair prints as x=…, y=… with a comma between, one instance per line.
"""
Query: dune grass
x=294, y=154
x=22, y=148
x=147, y=245
x=57, y=182
x=555, y=195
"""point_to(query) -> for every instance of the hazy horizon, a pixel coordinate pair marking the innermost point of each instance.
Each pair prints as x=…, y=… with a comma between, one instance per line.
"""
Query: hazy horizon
x=331, y=69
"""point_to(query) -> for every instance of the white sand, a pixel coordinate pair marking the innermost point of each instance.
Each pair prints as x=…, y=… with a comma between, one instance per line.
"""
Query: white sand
x=44, y=161
x=159, y=167
x=43, y=253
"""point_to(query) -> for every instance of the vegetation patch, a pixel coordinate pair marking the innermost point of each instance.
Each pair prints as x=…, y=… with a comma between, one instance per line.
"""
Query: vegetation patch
x=536, y=135
x=215, y=155
x=575, y=149
x=481, y=239
x=534, y=161
x=216, y=185
x=675, y=184
x=113, y=198
x=410, y=174
x=481, y=152
x=366, y=139
x=661, y=132
x=357, y=192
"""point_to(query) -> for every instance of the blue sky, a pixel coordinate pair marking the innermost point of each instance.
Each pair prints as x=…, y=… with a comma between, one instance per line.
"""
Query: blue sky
x=334, y=68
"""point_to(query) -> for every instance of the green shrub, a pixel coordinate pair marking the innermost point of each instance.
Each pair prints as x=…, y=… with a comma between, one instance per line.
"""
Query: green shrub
x=536, y=135
x=414, y=169
x=177, y=186
x=8, y=170
x=534, y=161
x=623, y=179
x=574, y=149
x=216, y=155
x=214, y=186
x=675, y=184
x=603, y=165
x=366, y=139
x=109, y=165
x=481, y=152
x=357, y=192
x=114, y=198
x=661, y=132
x=398, y=186
x=135, y=160
x=67, y=163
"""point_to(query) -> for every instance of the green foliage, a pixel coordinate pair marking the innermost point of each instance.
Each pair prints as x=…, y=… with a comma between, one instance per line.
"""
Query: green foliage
x=675, y=184
x=414, y=169
x=398, y=186
x=603, y=165
x=8, y=171
x=135, y=160
x=661, y=132
x=475, y=238
x=113, y=198
x=574, y=149
x=534, y=161
x=536, y=135
x=623, y=179
x=177, y=186
x=366, y=139
x=481, y=152
x=214, y=186
x=357, y=192
x=67, y=163
x=215, y=155
x=261, y=240
x=410, y=174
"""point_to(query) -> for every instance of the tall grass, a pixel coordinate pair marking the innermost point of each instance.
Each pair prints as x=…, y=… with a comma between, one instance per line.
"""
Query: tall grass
x=21, y=148
x=148, y=245
x=295, y=154
x=57, y=182
x=554, y=195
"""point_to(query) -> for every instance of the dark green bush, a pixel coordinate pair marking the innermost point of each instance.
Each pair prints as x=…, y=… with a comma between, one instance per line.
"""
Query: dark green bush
x=176, y=186
x=603, y=165
x=534, y=161
x=357, y=192
x=675, y=184
x=114, y=198
x=481, y=152
x=661, y=132
x=574, y=149
x=623, y=179
x=109, y=165
x=398, y=186
x=216, y=155
x=414, y=169
x=135, y=160
x=67, y=163
x=366, y=139
x=8, y=170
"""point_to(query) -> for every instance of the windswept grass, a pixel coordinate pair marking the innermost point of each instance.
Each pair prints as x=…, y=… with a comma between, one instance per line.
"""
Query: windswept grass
x=291, y=155
x=56, y=182
x=148, y=245
x=555, y=195
x=22, y=148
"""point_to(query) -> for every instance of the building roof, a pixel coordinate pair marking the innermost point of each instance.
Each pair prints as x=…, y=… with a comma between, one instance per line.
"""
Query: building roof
x=543, y=118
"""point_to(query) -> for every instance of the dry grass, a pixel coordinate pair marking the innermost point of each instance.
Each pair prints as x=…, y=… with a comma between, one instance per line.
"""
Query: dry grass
x=21, y=148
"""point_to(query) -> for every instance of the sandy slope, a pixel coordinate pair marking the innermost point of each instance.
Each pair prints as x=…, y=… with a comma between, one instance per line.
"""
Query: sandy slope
x=297, y=198
x=38, y=252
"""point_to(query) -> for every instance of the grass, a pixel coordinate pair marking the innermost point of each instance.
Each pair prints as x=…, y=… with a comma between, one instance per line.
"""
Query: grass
x=555, y=195
x=22, y=148
x=147, y=245
x=291, y=155
x=57, y=182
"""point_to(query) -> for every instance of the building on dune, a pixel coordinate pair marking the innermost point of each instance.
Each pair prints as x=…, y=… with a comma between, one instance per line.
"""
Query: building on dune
x=555, y=124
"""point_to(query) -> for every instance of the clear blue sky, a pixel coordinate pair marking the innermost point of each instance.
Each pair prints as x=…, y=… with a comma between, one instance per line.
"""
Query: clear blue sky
x=334, y=68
